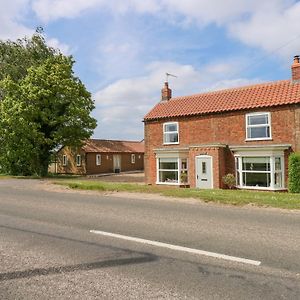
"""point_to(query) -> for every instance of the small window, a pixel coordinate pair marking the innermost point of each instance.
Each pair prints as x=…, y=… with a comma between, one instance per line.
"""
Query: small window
x=203, y=167
x=258, y=126
x=133, y=158
x=78, y=160
x=171, y=133
x=98, y=159
x=65, y=160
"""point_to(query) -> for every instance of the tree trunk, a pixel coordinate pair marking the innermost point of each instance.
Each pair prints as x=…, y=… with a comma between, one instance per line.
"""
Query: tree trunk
x=44, y=162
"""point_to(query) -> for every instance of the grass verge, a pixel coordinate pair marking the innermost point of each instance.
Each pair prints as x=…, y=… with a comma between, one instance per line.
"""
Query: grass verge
x=4, y=176
x=232, y=197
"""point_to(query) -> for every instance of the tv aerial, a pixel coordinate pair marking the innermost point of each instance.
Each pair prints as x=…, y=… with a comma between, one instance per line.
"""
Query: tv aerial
x=169, y=75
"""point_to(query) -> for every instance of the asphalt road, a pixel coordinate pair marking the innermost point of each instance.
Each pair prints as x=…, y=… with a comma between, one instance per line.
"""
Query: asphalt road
x=48, y=252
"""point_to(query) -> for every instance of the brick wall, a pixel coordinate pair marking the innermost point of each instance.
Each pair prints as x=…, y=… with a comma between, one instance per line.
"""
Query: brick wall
x=107, y=165
x=71, y=167
x=225, y=128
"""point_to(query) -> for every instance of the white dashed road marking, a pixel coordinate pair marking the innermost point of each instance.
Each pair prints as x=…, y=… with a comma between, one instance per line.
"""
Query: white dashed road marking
x=179, y=248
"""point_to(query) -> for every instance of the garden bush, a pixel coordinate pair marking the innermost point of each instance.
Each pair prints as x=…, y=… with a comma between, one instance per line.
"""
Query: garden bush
x=294, y=173
x=229, y=180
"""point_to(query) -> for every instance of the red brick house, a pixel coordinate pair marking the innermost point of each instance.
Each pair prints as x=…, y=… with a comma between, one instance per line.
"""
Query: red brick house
x=247, y=131
x=101, y=156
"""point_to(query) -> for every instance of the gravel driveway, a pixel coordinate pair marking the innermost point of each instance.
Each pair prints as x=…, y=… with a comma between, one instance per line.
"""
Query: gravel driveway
x=122, y=177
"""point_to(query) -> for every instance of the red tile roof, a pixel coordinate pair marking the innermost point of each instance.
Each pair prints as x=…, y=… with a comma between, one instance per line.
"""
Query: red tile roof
x=95, y=145
x=248, y=97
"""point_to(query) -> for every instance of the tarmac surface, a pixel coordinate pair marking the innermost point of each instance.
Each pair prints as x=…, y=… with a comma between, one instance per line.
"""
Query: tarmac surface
x=47, y=250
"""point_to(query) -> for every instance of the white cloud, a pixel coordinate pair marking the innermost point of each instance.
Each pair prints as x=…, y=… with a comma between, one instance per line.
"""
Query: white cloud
x=121, y=106
x=119, y=52
x=259, y=23
x=272, y=30
x=11, y=27
x=56, y=44
x=264, y=24
x=48, y=10
x=11, y=14
x=206, y=11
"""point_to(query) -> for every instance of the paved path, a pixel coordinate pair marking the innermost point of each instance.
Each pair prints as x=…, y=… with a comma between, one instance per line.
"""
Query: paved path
x=48, y=252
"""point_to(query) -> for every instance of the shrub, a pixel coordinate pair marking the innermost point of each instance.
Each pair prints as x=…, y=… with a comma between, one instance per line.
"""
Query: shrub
x=294, y=173
x=229, y=180
x=183, y=178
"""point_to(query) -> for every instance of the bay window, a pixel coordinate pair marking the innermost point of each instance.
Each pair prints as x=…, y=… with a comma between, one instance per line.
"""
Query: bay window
x=265, y=172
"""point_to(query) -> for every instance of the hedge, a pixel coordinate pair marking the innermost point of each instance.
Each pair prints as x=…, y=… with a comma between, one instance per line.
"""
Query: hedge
x=294, y=173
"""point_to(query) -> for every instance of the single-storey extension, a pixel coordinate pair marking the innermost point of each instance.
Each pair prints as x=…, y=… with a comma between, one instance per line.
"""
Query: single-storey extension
x=101, y=156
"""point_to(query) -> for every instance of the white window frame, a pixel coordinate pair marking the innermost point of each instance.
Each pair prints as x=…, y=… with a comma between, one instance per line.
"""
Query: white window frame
x=259, y=125
x=65, y=160
x=98, y=159
x=78, y=160
x=179, y=170
x=272, y=157
x=133, y=158
x=165, y=133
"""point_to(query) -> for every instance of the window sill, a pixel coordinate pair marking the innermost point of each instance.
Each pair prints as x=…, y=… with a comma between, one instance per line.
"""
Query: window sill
x=177, y=143
x=260, y=188
x=258, y=139
x=167, y=183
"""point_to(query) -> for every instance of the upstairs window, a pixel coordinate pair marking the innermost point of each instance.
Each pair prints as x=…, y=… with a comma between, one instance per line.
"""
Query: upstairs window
x=78, y=160
x=98, y=159
x=171, y=133
x=258, y=126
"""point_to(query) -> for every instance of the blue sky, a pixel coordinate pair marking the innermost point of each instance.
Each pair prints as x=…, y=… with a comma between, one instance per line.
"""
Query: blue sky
x=123, y=48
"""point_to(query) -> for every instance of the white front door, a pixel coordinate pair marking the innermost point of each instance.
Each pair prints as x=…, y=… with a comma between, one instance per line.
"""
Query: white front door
x=117, y=162
x=204, y=172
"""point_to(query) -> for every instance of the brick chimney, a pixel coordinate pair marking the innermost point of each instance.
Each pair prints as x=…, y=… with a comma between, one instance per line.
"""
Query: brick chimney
x=166, y=93
x=296, y=69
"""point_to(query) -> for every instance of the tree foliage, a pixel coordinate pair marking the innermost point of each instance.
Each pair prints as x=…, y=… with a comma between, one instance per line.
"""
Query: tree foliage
x=294, y=173
x=42, y=105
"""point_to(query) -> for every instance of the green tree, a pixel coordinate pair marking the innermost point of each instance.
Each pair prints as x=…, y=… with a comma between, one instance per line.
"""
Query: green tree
x=42, y=106
x=16, y=57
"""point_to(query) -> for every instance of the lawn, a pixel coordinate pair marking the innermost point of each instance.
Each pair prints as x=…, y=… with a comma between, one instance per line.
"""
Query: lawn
x=232, y=197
